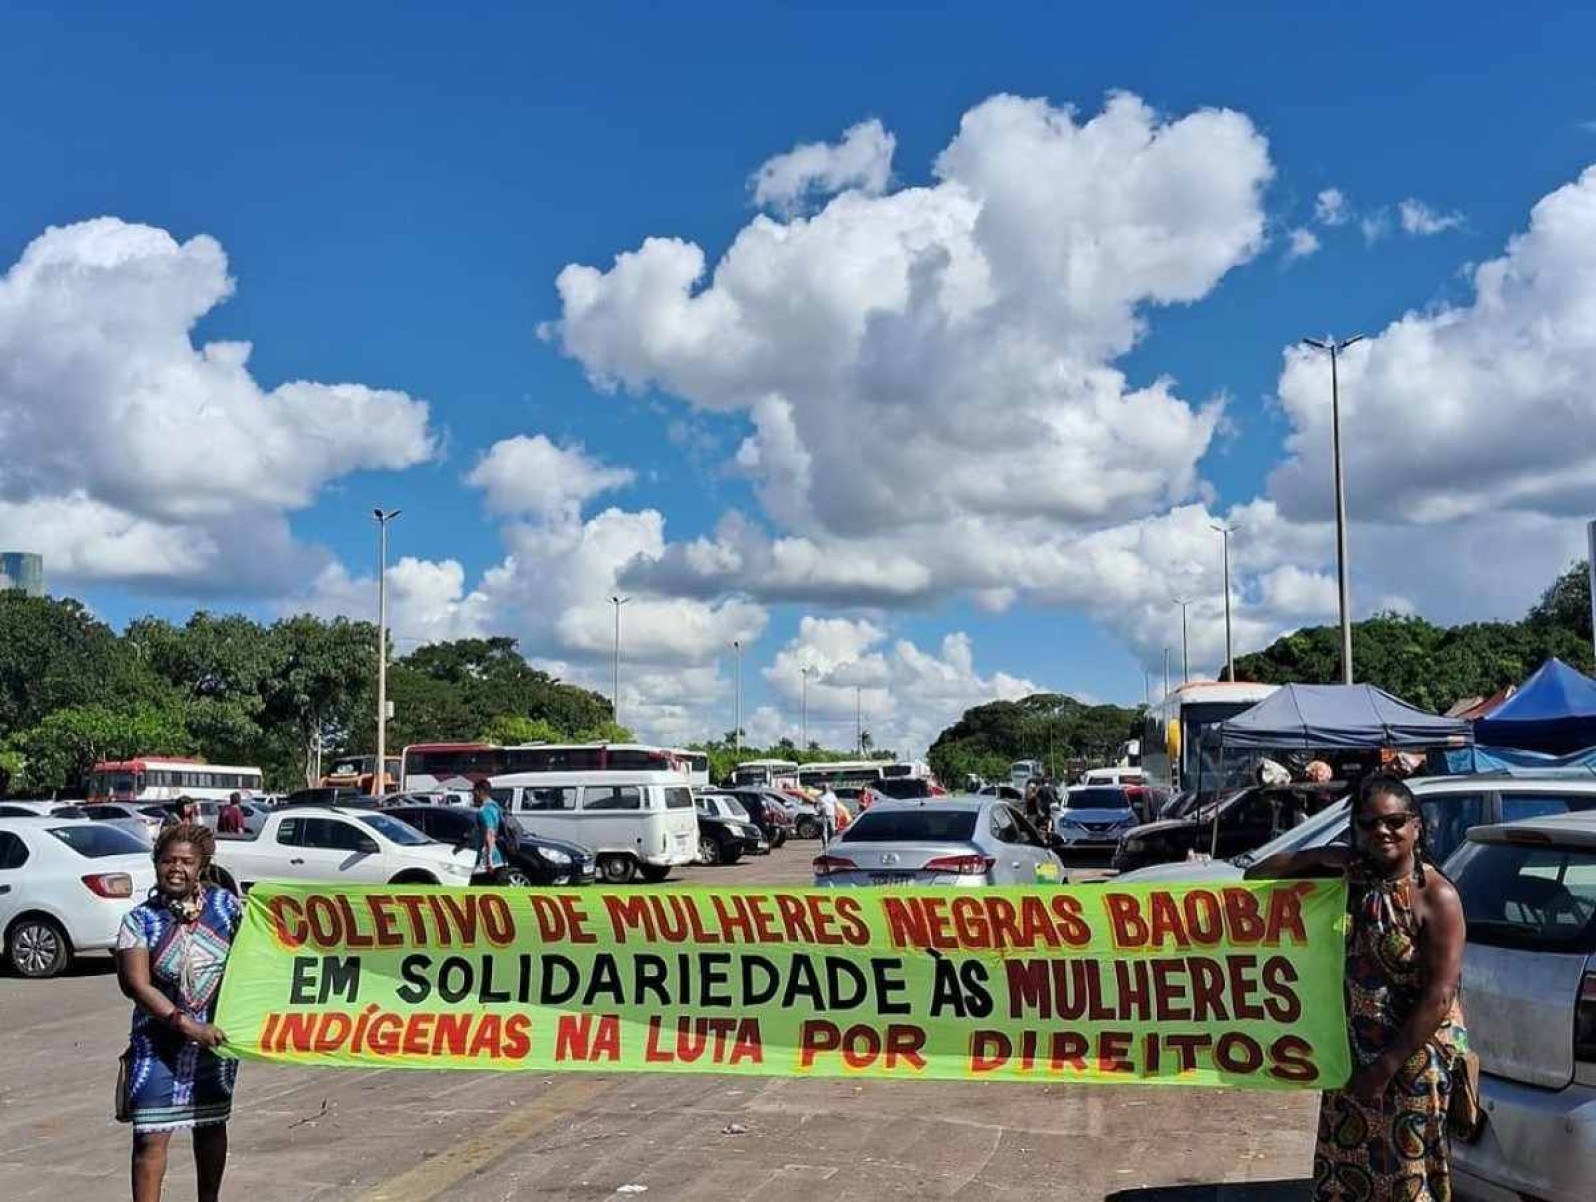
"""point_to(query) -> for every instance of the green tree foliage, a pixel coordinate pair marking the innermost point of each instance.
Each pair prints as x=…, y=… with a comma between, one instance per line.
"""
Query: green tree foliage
x=57, y=752
x=1044, y=726
x=54, y=654
x=1437, y=666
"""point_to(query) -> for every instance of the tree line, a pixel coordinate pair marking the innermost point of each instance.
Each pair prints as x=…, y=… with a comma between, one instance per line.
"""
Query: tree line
x=1436, y=667
x=232, y=690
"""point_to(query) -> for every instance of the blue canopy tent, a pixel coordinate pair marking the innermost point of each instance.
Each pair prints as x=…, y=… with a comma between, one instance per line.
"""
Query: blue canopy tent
x=1333, y=717
x=1553, y=713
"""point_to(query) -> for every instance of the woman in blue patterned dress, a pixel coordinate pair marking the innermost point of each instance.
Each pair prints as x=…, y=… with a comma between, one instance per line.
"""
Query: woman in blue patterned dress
x=170, y=955
x=1383, y=1137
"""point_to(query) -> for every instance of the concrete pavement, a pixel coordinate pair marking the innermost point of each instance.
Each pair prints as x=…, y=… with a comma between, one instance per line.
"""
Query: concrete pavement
x=314, y=1135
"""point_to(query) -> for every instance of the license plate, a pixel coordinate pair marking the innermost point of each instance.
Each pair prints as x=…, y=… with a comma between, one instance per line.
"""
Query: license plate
x=891, y=878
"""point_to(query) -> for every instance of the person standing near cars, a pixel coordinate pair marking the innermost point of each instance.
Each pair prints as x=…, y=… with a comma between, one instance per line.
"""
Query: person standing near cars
x=231, y=819
x=828, y=816
x=488, y=836
x=170, y=954
x=1383, y=1136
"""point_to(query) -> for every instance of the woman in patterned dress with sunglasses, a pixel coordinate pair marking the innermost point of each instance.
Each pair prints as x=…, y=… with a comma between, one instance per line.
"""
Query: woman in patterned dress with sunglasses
x=1383, y=1137
x=170, y=955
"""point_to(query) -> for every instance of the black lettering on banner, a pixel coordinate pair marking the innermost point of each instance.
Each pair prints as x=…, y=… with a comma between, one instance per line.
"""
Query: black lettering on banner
x=961, y=989
x=764, y=990
x=715, y=970
x=552, y=993
x=652, y=972
x=888, y=976
x=318, y=979
x=417, y=985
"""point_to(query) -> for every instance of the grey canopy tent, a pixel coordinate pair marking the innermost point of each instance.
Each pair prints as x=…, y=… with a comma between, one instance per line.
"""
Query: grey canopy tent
x=1333, y=717
x=1329, y=717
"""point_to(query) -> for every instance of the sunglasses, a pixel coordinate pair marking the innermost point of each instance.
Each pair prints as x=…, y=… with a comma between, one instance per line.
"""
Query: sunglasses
x=1393, y=823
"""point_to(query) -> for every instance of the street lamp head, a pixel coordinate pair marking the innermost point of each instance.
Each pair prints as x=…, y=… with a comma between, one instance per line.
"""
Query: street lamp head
x=1346, y=342
x=1316, y=344
x=384, y=516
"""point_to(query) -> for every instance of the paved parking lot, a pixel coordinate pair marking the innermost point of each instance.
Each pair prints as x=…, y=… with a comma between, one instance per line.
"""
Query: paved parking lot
x=397, y=1136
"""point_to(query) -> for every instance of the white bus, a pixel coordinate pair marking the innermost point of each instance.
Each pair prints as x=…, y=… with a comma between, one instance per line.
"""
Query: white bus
x=636, y=823
x=774, y=774
x=697, y=766
x=840, y=773
x=167, y=778
x=1021, y=772
x=916, y=769
x=1172, y=754
x=428, y=765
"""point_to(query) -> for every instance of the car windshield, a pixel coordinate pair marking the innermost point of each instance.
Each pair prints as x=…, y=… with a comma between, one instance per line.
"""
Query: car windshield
x=393, y=830
x=911, y=826
x=100, y=840
x=153, y=812
x=1094, y=798
x=1309, y=834
x=1540, y=897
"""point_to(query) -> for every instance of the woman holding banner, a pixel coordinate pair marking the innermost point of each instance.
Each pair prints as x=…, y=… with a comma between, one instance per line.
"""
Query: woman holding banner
x=169, y=960
x=1383, y=1137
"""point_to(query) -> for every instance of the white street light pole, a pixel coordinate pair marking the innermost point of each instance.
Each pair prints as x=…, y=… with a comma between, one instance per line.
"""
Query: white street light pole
x=615, y=677
x=804, y=710
x=858, y=719
x=1334, y=349
x=1166, y=672
x=1230, y=654
x=737, y=732
x=1185, y=646
x=379, y=773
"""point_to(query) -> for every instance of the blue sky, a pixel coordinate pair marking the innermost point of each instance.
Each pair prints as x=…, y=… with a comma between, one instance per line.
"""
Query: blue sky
x=397, y=191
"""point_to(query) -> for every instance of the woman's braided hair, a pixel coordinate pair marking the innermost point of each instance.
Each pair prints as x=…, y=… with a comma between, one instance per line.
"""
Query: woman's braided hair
x=197, y=835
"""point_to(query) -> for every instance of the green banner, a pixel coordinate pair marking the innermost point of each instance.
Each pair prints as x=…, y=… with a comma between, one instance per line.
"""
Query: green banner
x=1236, y=985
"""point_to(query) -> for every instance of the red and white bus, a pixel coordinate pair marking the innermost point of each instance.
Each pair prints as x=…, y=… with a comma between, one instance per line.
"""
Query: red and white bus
x=168, y=778
x=430, y=766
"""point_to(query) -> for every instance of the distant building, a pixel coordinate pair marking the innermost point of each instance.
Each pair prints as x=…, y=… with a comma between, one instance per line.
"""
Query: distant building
x=22, y=570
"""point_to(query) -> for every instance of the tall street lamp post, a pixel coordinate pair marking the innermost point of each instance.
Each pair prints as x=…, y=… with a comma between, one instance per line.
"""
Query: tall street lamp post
x=737, y=732
x=1334, y=349
x=379, y=773
x=1185, y=646
x=803, y=744
x=1230, y=654
x=615, y=677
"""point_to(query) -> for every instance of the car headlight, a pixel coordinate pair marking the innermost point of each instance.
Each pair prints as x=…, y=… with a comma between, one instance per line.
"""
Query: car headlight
x=752, y=831
x=1130, y=844
x=554, y=855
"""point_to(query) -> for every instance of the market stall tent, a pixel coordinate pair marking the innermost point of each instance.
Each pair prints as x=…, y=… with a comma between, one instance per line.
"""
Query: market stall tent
x=1554, y=711
x=1329, y=717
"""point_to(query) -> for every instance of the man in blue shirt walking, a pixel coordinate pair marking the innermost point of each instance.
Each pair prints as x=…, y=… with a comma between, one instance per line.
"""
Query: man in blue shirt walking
x=488, y=836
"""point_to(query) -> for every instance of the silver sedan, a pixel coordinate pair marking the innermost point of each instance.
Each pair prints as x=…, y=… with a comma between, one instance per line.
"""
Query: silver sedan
x=960, y=841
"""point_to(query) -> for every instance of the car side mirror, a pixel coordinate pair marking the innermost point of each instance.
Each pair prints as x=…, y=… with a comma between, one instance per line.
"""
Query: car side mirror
x=367, y=846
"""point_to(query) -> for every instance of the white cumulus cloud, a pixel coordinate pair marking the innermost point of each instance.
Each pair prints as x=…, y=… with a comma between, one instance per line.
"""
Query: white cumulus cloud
x=861, y=161
x=1300, y=243
x=1330, y=207
x=531, y=475
x=117, y=432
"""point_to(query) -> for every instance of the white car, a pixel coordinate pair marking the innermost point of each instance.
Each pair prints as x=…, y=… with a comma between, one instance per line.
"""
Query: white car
x=65, y=886
x=142, y=821
x=334, y=843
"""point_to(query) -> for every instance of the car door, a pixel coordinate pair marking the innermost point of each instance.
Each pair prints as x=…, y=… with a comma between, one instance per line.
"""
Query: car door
x=336, y=849
x=13, y=857
x=1015, y=865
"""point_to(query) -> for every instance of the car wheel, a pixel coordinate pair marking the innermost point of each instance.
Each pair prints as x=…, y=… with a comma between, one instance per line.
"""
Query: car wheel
x=617, y=870
x=655, y=873
x=708, y=850
x=37, y=947
x=518, y=878
x=808, y=828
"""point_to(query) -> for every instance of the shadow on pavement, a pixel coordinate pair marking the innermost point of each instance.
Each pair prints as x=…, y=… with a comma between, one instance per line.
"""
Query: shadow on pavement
x=1239, y=1191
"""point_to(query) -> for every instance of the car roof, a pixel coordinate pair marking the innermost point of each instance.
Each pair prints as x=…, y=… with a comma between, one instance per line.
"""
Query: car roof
x=1540, y=778
x=951, y=801
x=1576, y=829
